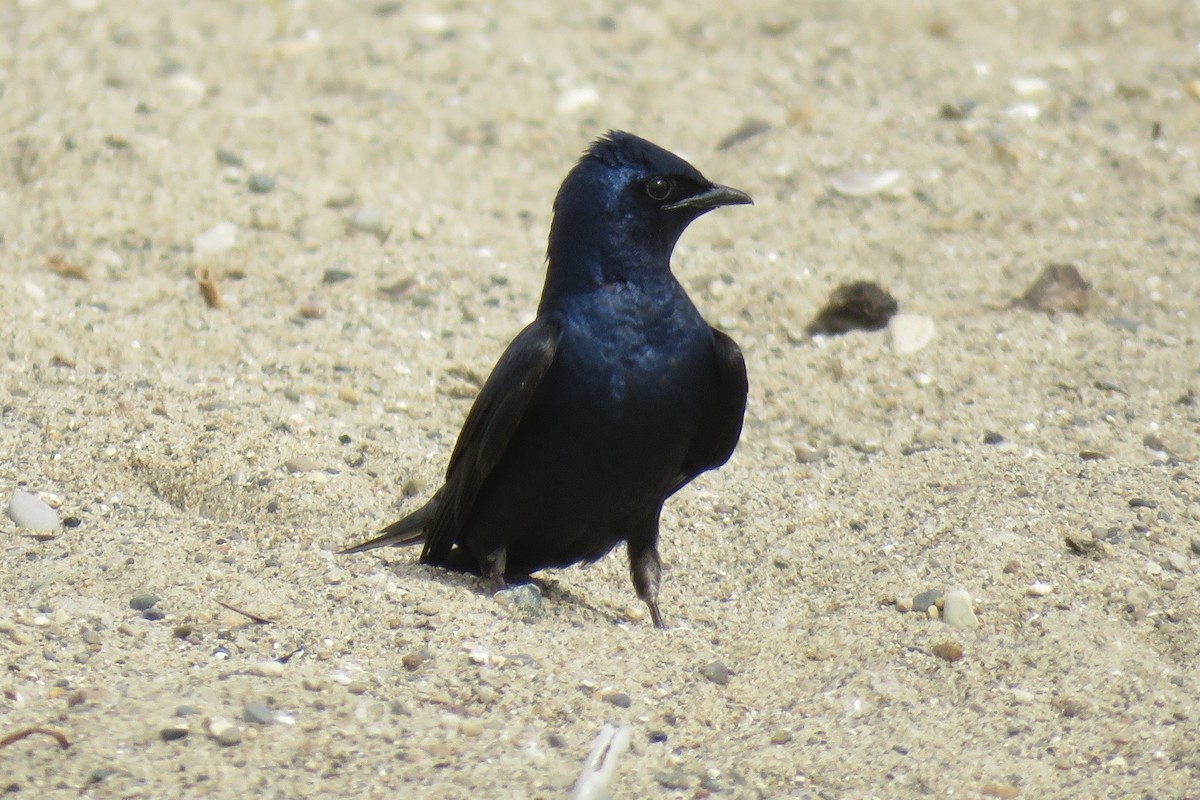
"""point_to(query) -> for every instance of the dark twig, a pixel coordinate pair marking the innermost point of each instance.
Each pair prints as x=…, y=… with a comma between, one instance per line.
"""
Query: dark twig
x=248, y=614
x=17, y=736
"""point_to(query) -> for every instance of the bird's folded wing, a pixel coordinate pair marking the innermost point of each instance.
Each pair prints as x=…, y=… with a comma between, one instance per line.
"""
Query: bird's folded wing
x=721, y=426
x=494, y=418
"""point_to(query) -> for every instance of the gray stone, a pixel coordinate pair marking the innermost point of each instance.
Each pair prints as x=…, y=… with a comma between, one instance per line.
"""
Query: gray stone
x=525, y=599
x=618, y=699
x=716, y=671
x=261, y=183
x=143, y=602
x=924, y=600
x=258, y=714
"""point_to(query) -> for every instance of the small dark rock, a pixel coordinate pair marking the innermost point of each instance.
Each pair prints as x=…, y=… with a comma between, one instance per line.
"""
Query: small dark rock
x=258, y=714
x=173, y=732
x=1059, y=289
x=618, y=699
x=154, y=614
x=260, y=183
x=334, y=275
x=922, y=602
x=144, y=602
x=861, y=305
x=228, y=158
x=991, y=437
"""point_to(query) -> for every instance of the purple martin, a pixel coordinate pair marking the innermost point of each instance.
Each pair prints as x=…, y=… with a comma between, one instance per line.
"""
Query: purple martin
x=614, y=398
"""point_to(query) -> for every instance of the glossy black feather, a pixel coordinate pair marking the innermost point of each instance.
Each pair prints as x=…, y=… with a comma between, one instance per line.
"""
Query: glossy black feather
x=613, y=399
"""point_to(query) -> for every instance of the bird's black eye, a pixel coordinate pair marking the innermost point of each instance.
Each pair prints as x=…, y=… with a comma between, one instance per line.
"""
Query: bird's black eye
x=659, y=188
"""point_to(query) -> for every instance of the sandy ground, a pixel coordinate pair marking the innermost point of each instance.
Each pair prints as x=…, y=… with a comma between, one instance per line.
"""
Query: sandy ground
x=216, y=456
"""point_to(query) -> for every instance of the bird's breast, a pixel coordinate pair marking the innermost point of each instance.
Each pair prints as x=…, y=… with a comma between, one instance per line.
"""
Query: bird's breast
x=636, y=351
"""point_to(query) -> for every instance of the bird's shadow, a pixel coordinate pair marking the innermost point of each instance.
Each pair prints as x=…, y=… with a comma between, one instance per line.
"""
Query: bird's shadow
x=558, y=597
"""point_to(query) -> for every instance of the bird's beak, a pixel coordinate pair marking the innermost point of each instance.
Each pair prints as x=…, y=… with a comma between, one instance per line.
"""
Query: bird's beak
x=714, y=196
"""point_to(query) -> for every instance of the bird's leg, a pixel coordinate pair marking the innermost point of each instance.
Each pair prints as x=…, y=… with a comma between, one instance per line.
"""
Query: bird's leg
x=646, y=570
x=493, y=568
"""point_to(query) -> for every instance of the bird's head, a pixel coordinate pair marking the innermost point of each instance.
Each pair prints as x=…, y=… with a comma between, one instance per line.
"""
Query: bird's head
x=621, y=210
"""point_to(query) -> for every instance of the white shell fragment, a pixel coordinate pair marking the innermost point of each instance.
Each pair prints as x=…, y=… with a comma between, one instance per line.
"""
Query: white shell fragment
x=1028, y=87
x=854, y=183
x=911, y=332
x=958, y=610
x=31, y=513
x=215, y=240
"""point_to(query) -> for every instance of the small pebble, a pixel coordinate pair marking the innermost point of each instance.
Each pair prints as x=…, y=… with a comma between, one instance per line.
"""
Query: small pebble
x=781, y=736
x=948, y=651
x=525, y=599
x=303, y=464
x=30, y=512
x=1196, y=545
x=618, y=699
x=925, y=600
x=267, y=669
x=716, y=671
x=911, y=332
x=577, y=99
x=1039, y=589
x=368, y=220
x=144, y=602
x=991, y=437
x=957, y=611
x=261, y=183
x=333, y=276
x=674, y=780
x=341, y=198
x=215, y=240
x=904, y=604
x=224, y=731
x=1023, y=696
x=258, y=714
x=174, y=731
x=228, y=158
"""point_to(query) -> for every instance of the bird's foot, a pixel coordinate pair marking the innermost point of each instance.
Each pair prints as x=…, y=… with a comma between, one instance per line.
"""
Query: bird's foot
x=493, y=568
x=646, y=570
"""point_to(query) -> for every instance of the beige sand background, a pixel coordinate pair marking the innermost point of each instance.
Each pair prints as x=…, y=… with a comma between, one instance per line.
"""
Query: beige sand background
x=224, y=455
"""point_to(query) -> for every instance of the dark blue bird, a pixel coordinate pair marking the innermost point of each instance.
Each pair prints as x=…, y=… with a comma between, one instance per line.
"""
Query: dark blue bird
x=612, y=400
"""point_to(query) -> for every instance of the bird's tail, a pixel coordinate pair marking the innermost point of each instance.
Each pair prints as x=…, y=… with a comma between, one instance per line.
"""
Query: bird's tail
x=406, y=531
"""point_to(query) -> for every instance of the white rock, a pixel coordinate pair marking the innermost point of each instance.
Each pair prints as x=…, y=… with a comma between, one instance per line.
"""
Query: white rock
x=1028, y=87
x=853, y=183
x=957, y=611
x=577, y=99
x=1039, y=589
x=217, y=239
x=267, y=669
x=30, y=512
x=911, y=332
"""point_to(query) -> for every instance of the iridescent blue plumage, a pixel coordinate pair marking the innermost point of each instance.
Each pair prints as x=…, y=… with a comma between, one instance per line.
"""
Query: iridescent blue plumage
x=615, y=397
